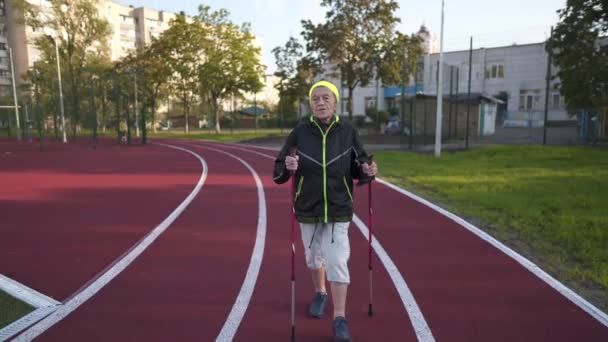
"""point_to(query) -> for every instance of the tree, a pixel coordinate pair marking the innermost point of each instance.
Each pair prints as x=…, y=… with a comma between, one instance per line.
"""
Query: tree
x=390, y=58
x=582, y=62
x=287, y=59
x=296, y=72
x=80, y=35
x=351, y=37
x=153, y=74
x=231, y=61
x=182, y=47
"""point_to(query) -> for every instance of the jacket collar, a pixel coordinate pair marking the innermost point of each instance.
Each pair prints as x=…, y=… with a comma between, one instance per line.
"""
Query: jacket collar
x=335, y=119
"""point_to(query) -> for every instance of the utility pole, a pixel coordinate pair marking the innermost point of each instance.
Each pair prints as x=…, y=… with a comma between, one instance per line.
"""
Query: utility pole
x=61, y=109
x=136, y=108
x=548, y=81
x=469, y=95
x=10, y=52
x=439, y=92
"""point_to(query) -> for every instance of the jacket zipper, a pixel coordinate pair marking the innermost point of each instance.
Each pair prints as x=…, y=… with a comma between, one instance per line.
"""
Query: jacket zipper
x=324, y=168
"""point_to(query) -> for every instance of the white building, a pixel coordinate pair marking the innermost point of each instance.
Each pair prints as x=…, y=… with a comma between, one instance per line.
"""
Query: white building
x=132, y=28
x=517, y=71
x=5, y=67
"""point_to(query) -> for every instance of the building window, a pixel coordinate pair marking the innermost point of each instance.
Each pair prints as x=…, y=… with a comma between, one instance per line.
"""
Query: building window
x=2, y=46
x=370, y=102
x=345, y=105
x=151, y=22
x=556, y=103
x=529, y=99
x=495, y=71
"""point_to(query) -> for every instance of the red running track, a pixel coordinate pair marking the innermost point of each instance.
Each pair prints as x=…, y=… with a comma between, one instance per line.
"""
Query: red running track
x=183, y=286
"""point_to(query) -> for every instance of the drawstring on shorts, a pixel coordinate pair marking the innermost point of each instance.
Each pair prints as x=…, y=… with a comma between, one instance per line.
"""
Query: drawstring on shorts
x=313, y=235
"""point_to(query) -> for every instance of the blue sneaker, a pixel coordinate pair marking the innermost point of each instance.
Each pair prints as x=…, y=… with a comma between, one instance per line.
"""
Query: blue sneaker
x=341, y=333
x=317, y=306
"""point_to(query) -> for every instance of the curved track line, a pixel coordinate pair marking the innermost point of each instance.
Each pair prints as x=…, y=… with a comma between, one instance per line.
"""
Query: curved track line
x=85, y=294
x=529, y=265
x=244, y=297
x=565, y=291
x=421, y=328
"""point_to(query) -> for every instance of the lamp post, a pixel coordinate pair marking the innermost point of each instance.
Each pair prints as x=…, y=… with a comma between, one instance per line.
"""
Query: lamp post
x=438, y=122
x=52, y=38
x=10, y=52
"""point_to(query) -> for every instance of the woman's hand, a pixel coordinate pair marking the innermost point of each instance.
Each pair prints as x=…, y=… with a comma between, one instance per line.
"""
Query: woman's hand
x=291, y=163
x=370, y=169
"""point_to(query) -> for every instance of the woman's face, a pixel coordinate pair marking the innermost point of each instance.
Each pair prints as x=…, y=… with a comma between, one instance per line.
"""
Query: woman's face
x=323, y=103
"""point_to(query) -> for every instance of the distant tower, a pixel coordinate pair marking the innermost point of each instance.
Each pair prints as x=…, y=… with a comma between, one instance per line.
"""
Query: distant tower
x=429, y=41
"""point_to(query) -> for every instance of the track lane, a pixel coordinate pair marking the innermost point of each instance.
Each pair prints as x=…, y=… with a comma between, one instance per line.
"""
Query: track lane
x=70, y=211
x=183, y=285
x=268, y=316
x=469, y=290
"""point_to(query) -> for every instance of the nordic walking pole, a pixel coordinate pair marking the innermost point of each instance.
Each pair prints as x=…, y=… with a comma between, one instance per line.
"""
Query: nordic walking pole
x=293, y=251
x=370, y=311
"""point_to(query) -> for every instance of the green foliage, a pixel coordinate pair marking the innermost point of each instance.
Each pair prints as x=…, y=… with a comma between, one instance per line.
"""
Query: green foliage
x=582, y=62
x=183, y=45
x=393, y=111
x=296, y=73
x=232, y=61
x=359, y=39
x=548, y=200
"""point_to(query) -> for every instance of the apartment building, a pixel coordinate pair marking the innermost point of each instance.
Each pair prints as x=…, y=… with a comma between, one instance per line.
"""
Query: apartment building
x=5, y=66
x=132, y=28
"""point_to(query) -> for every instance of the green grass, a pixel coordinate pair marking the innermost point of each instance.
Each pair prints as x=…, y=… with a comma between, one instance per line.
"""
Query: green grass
x=549, y=203
x=225, y=136
x=11, y=309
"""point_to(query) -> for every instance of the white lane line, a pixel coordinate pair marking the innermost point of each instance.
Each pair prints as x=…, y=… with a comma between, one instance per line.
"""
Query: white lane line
x=244, y=297
x=75, y=301
x=579, y=301
x=423, y=332
x=25, y=294
x=529, y=265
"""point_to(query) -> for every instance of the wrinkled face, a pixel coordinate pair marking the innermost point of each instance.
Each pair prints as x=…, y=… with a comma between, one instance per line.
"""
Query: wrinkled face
x=323, y=103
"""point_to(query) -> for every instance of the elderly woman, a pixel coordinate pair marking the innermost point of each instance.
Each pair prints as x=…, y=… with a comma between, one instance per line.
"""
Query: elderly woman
x=325, y=154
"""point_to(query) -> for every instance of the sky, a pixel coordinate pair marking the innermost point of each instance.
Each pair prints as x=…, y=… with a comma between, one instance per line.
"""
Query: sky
x=491, y=23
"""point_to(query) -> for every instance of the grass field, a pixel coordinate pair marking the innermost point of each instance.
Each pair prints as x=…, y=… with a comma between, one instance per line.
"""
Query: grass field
x=11, y=309
x=548, y=203
x=225, y=136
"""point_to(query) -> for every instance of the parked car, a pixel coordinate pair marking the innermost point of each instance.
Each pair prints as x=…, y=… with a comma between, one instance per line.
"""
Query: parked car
x=393, y=126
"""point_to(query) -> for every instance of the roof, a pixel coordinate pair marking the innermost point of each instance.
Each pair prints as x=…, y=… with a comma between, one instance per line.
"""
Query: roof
x=474, y=98
x=252, y=111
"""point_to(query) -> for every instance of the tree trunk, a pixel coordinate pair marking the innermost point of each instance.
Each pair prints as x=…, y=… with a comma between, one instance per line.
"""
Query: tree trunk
x=103, y=111
x=154, y=116
x=351, y=104
x=218, y=129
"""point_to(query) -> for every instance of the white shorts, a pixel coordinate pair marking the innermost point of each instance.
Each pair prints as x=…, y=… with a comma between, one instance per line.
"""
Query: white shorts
x=323, y=247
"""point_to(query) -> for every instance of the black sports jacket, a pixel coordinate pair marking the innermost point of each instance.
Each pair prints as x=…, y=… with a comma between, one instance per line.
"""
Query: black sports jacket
x=330, y=157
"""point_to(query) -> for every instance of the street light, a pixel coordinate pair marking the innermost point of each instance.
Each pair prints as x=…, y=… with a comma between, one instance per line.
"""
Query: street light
x=52, y=38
